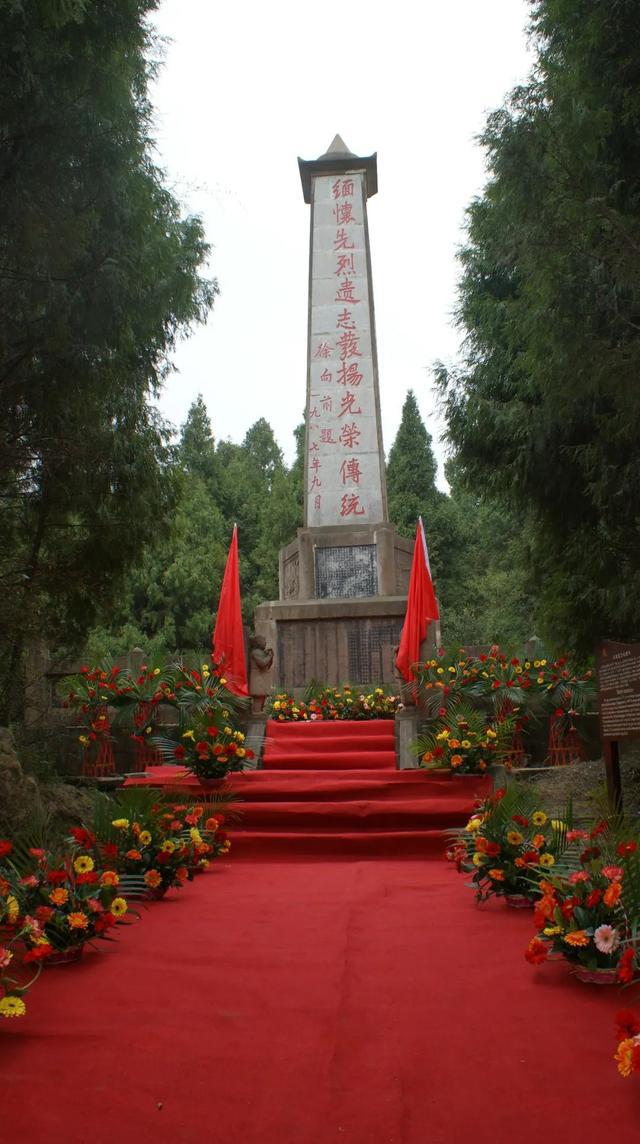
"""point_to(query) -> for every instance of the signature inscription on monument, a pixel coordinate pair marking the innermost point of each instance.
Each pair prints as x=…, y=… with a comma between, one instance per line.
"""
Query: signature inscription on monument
x=619, y=690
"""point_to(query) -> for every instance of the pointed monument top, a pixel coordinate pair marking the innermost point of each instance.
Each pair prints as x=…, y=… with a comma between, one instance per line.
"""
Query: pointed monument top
x=338, y=148
x=335, y=161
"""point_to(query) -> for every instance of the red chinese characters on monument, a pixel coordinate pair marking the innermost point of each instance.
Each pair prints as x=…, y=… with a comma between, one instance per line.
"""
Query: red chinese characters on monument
x=336, y=412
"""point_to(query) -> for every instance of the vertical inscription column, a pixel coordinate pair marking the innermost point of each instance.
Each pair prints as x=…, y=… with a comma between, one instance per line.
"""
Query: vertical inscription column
x=344, y=479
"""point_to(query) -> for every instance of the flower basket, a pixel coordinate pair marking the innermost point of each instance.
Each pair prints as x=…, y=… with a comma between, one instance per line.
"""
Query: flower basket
x=519, y=902
x=65, y=956
x=157, y=893
x=599, y=976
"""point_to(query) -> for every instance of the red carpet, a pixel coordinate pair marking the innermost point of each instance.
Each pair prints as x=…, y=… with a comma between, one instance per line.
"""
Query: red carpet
x=332, y=790
x=309, y=1003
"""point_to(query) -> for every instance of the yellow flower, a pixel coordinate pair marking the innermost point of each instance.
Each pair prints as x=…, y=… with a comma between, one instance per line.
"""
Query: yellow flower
x=240, y=753
x=466, y=744
x=452, y=670
x=547, y=860
x=83, y=864
x=443, y=734
x=13, y=909
x=223, y=682
x=491, y=734
x=156, y=671
x=551, y=931
x=518, y=671
x=228, y=730
x=440, y=671
x=168, y=846
x=12, y=1007
x=515, y=838
x=119, y=907
x=473, y=824
x=538, y=818
x=195, y=834
x=277, y=705
x=478, y=859
x=84, y=739
x=144, y=837
x=543, y=663
x=189, y=735
x=120, y=823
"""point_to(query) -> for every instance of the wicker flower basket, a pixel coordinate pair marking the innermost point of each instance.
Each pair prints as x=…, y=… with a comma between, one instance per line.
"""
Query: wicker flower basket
x=601, y=976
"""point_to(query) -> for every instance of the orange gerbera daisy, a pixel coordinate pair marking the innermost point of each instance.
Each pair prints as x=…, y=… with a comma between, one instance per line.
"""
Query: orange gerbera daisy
x=612, y=893
x=78, y=920
x=624, y=1056
x=152, y=879
x=109, y=878
x=59, y=896
x=577, y=937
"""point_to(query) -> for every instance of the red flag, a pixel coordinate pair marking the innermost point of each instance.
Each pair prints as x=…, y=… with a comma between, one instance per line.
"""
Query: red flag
x=228, y=634
x=422, y=606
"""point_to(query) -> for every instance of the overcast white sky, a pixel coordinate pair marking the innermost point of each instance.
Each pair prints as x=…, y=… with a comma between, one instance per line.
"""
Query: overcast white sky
x=246, y=87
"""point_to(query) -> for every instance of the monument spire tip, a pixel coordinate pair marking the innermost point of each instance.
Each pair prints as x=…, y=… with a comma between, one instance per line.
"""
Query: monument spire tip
x=337, y=147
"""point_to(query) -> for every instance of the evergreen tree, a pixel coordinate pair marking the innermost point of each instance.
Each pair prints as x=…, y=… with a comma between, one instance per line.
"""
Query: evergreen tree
x=411, y=470
x=544, y=411
x=99, y=275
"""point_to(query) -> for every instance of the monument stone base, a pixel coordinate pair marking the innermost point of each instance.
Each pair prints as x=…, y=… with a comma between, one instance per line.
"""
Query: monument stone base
x=332, y=641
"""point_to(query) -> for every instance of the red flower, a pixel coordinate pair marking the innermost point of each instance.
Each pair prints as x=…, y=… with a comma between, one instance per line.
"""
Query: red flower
x=627, y=1024
x=56, y=877
x=530, y=857
x=249, y=755
x=492, y=849
x=5, y=847
x=536, y=951
x=212, y=732
x=38, y=953
x=83, y=836
x=626, y=848
x=438, y=752
x=44, y=913
x=110, y=850
x=626, y=966
x=87, y=879
x=590, y=853
x=36, y=852
x=520, y=820
x=594, y=898
x=179, y=751
x=599, y=828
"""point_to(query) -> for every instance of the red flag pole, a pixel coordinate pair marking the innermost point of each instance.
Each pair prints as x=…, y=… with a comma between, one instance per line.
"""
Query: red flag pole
x=228, y=634
x=422, y=607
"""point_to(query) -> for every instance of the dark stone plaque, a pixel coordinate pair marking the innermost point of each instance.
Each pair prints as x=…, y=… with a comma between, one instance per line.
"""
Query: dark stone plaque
x=346, y=572
x=366, y=643
x=619, y=690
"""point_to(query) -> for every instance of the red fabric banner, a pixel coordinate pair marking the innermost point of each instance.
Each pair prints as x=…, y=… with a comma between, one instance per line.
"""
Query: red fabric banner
x=228, y=634
x=422, y=607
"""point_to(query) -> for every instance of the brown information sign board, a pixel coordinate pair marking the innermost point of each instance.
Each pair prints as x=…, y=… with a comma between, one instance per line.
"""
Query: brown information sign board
x=619, y=690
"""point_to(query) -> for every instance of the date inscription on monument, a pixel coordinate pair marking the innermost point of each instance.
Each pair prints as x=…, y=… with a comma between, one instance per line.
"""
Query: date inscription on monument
x=619, y=690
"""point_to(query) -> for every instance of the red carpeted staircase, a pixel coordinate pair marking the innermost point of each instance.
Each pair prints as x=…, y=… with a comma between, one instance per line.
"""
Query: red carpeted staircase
x=332, y=789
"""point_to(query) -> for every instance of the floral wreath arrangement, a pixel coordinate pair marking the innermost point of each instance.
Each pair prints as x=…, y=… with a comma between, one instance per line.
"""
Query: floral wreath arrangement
x=509, y=845
x=207, y=709
x=330, y=703
x=590, y=905
x=509, y=690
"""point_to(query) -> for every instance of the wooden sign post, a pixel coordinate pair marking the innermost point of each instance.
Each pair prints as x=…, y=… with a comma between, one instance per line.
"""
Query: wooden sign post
x=619, y=707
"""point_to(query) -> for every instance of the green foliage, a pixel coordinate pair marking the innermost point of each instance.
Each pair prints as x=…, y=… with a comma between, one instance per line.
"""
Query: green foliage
x=100, y=274
x=543, y=411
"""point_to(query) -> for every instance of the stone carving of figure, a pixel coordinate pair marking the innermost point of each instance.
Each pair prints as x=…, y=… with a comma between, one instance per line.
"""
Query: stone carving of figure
x=260, y=673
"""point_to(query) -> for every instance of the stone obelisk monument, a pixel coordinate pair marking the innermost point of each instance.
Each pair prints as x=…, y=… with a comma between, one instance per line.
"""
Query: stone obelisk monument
x=343, y=581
